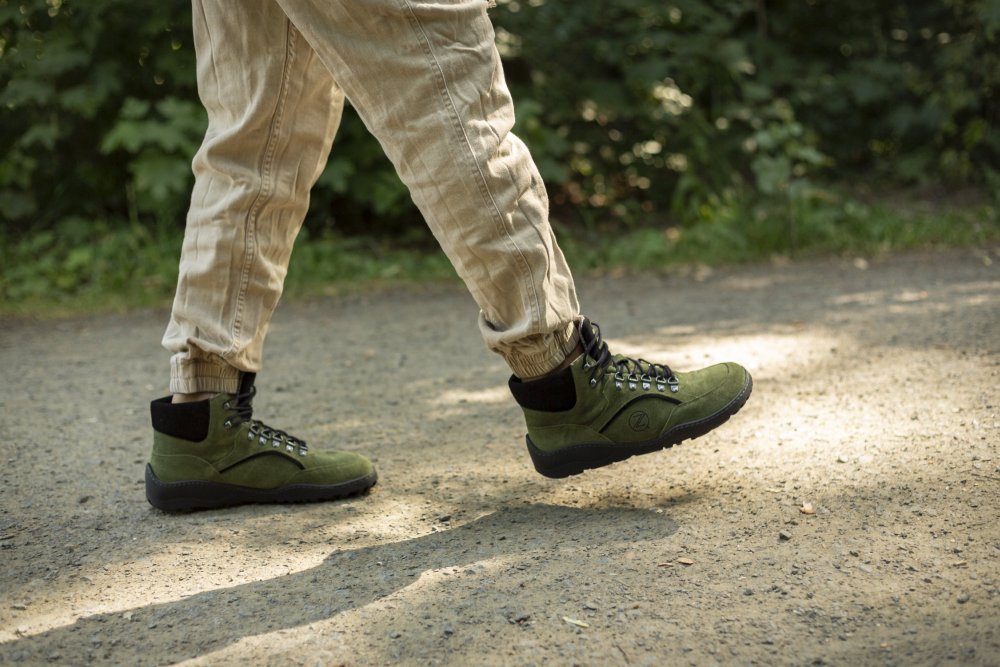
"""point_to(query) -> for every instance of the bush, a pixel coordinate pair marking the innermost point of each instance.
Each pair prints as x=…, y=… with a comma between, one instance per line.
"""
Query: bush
x=100, y=119
x=634, y=109
x=676, y=106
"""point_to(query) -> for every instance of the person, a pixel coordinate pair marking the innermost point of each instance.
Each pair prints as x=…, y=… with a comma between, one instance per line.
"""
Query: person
x=426, y=79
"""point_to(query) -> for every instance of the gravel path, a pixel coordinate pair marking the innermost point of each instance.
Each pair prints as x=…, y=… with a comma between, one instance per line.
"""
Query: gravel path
x=848, y=515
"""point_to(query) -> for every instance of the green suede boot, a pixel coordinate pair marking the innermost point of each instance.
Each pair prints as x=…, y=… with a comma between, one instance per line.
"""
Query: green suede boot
x=212, y=454
x=605, y=408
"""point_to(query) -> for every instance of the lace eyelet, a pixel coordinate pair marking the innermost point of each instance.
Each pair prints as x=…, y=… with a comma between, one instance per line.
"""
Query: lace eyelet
x=225, y=406
x=593, y=382
x=228, y=425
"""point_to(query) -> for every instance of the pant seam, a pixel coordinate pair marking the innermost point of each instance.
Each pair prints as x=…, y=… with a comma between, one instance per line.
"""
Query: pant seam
x=484, y=189
x=265, y=169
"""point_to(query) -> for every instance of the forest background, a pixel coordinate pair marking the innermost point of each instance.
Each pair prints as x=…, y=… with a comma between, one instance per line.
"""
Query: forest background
x=670, y=134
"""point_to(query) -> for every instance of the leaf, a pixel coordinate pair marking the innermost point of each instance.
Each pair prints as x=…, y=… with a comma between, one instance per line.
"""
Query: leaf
x=772, y=173
x=160, y=177
x=42, y=134
x=27, y=91
x=337, y=175
x=577, y=623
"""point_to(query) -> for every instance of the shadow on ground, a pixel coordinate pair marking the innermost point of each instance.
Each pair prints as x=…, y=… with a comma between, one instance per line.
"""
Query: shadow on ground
x=345, y=580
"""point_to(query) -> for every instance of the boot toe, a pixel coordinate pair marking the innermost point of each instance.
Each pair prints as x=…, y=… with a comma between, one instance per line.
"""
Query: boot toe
x=335, y=468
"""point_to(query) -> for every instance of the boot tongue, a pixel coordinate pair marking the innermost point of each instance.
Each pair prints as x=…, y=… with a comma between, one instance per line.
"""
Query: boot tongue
x=244, y=392
x=594, y=346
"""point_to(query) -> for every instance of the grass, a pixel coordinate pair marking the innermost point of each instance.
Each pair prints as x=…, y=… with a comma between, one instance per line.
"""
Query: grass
x=736, y=234
x=85, y=266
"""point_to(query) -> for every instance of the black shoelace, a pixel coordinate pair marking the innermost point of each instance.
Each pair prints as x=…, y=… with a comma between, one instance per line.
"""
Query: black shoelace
x=633, y=371
x=242, y=406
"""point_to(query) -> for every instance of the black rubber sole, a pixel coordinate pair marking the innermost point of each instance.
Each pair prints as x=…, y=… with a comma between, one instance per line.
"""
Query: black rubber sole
x=574, y=459
x=195, y=495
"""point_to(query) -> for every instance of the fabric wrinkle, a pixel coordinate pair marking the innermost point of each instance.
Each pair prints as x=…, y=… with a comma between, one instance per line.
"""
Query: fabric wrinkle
x=426, y=80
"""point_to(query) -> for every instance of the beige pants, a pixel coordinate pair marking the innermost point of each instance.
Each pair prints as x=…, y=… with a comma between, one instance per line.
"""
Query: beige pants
x=426, y=79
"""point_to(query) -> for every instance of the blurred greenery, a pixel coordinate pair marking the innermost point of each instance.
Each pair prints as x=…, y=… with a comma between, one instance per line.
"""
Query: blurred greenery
x=79, y=266
x=685, y=130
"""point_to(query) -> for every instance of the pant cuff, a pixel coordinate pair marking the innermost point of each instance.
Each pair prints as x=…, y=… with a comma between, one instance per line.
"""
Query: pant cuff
x=195, y=376
x=540, y=354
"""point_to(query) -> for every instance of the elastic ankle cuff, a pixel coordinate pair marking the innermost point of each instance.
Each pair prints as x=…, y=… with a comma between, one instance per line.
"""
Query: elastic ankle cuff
x=554, y=348
x=196, y=376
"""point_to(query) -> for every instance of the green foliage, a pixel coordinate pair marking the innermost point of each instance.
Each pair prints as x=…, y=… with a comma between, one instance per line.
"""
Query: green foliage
x=359, y=192
x=81, y=265
x=98, y=110
x=705, y=115
x=157, y=137
x=330, y=259
x=742, y=231
x=674, y=107
x=80, y=261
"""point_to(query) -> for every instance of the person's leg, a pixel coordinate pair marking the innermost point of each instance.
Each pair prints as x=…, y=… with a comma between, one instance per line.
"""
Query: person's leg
x=426, y=79
x=273, y=110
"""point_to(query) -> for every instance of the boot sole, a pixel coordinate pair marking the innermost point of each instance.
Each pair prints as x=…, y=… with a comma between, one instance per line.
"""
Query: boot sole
x=574, y=459
x=193, y=495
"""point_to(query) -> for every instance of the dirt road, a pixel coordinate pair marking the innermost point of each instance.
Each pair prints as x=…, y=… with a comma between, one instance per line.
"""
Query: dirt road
x=849, y=515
